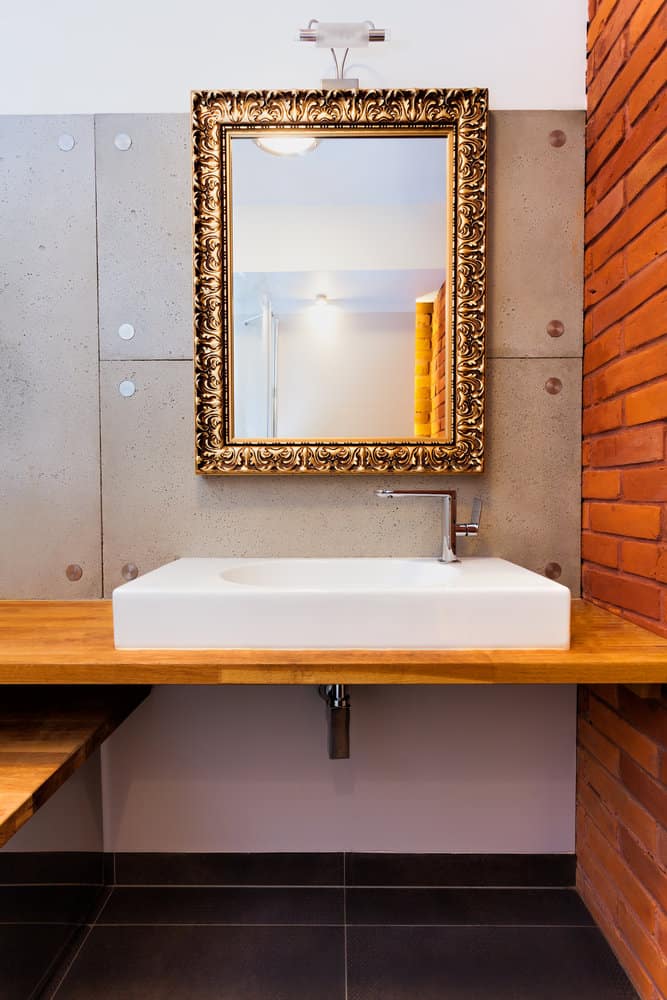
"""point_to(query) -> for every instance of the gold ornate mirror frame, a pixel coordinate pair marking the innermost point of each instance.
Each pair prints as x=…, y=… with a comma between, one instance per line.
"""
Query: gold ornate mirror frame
x=216, y=116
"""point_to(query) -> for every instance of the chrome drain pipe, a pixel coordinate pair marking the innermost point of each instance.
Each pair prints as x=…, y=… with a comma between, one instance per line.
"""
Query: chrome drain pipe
x=338, y=719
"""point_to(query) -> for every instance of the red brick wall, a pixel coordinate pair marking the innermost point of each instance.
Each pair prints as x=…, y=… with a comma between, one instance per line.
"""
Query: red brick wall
x=625, y=355
x=622, y=827
x=622, y=755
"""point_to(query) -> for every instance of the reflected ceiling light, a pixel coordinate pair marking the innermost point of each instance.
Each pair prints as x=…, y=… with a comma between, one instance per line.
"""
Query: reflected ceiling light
x=287, y=145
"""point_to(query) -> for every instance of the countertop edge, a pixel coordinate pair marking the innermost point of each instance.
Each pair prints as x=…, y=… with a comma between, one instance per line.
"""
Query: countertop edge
x=63, y=642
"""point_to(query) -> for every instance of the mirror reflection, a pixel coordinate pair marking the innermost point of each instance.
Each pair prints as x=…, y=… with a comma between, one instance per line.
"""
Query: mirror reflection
x=340, y=305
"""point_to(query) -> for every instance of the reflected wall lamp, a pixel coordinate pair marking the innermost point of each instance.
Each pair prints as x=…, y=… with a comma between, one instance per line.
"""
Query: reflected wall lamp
x=287, y=145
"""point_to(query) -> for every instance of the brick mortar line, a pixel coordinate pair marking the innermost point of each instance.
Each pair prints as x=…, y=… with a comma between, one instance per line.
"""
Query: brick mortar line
x=623, y=718
x=603, y=34
x=600, y=435
x=619, y=322
x=629, y=126
x=629, y=55
x=648, y=619
x=627, y=202
x=589, y=310
x=656, y=464
x=621, y=356
x=603, y=912
x=621, y=784
x=590, y=277
x=616, y=571
x=624, y=612
x=619, y=933
x=620, y=248
x=582, y=867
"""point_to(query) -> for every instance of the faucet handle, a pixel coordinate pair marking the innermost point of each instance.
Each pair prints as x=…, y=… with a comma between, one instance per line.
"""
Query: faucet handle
x=471, y=527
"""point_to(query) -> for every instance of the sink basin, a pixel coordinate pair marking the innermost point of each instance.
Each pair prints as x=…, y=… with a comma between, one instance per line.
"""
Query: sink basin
x=478, y=603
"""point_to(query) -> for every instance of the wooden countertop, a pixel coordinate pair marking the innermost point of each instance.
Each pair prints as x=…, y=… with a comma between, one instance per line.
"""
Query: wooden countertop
x=45, y=735
x=63, y=642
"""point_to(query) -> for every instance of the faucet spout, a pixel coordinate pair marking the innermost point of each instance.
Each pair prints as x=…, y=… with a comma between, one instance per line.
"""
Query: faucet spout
x=448, y=498
x=448, y=555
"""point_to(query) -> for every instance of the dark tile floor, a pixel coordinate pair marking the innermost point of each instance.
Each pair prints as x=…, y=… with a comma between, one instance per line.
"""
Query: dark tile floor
x=323, y=939
x=273, y=943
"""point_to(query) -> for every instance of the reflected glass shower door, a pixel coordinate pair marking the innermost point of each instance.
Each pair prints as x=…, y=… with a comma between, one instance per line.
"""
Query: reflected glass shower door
x=255, y=367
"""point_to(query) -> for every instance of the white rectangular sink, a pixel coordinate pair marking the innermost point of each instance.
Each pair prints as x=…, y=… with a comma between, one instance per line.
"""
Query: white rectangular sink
x=477, y=603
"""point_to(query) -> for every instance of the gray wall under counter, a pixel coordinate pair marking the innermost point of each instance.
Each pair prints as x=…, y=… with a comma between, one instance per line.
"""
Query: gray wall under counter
x=154, y=508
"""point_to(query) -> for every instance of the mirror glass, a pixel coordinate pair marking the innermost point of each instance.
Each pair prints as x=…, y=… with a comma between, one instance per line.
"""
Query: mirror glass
x=340, y=309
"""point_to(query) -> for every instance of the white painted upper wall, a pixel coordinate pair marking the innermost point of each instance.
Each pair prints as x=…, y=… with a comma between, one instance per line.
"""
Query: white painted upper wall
x=78, y=57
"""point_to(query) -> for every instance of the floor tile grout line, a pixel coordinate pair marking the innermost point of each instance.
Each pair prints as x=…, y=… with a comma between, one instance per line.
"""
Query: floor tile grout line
x=52, y=993
x=39, y=991
x=103, y=905
x=89, y=930
x=221, y=885
x=46, y=923
x=209, y=923
x=52, y=885
x=314, y=886
x=345, y=954
x=354, y=926
x=468, y=888
x=286, y=923
x=525, y=926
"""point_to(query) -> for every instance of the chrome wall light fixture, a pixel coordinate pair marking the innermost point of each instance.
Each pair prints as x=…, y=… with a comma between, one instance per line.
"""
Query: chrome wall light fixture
x=341, y=35
x=331, y=35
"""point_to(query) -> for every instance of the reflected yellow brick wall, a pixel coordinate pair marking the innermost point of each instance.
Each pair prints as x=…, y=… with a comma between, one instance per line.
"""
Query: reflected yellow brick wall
x=423, y=356
x=431, y=366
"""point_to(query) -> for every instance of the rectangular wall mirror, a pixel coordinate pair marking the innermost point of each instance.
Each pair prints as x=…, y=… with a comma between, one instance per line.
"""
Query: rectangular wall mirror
x=339, y=281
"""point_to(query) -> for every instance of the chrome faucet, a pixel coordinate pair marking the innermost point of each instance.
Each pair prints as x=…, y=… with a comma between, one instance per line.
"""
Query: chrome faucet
x=450, y=530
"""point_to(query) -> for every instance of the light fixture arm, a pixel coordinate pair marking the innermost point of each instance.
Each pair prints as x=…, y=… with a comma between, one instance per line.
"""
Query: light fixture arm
x=340, y=71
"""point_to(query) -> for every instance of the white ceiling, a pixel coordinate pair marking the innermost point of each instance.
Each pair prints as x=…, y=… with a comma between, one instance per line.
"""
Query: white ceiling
x=404, y=170
x=354, y=291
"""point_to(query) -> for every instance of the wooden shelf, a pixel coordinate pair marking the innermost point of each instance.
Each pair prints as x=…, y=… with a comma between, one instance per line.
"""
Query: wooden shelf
x=57, y=642
x=45, y=735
